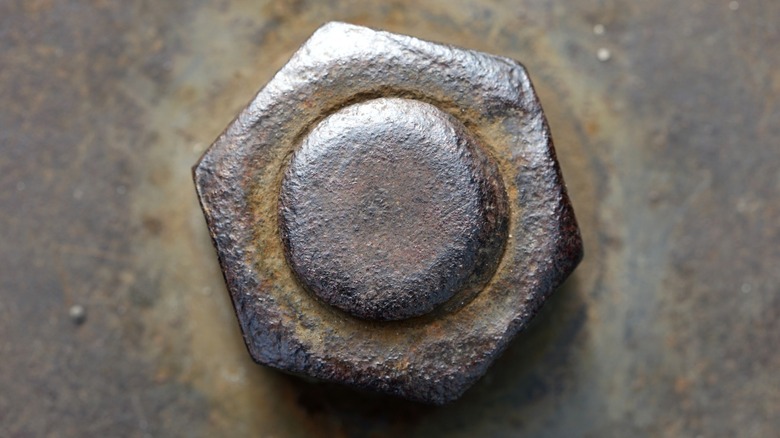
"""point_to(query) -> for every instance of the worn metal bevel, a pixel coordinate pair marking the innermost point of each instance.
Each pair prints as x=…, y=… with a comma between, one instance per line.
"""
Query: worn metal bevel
x=432, y=358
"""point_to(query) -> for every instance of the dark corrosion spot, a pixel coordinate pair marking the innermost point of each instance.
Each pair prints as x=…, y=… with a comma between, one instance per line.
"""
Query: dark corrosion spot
x=389, y=208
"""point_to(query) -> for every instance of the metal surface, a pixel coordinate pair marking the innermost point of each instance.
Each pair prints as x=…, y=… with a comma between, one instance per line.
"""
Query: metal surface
x=669, y=326
x=482, y=228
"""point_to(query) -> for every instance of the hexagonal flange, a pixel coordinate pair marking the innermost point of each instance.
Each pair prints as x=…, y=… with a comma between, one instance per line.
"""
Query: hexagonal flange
x=432, y=358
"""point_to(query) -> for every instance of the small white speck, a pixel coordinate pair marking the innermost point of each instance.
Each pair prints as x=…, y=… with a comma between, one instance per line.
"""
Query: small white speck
x=603, y=54
x=746, y=288
x=734, y=5
x=121, y=190
x=510, y=236
x=232, y=376
x=599, y=29
x=20, y=186
x=77, y=313
x=78, y=194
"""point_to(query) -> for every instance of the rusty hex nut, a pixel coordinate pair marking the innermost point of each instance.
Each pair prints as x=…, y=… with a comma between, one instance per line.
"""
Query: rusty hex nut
x=388, y=213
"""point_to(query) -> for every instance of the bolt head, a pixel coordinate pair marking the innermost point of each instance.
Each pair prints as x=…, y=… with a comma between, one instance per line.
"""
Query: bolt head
x=388, y=213
x=389, y=208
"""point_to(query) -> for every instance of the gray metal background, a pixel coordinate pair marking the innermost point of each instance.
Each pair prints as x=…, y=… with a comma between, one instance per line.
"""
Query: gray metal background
x=671, y=151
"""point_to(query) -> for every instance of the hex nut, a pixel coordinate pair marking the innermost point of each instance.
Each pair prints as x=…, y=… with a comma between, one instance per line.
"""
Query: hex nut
x=388, y=213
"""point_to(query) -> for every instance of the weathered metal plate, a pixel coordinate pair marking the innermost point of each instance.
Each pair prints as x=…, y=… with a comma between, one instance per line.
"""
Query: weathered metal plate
x=670, y=151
